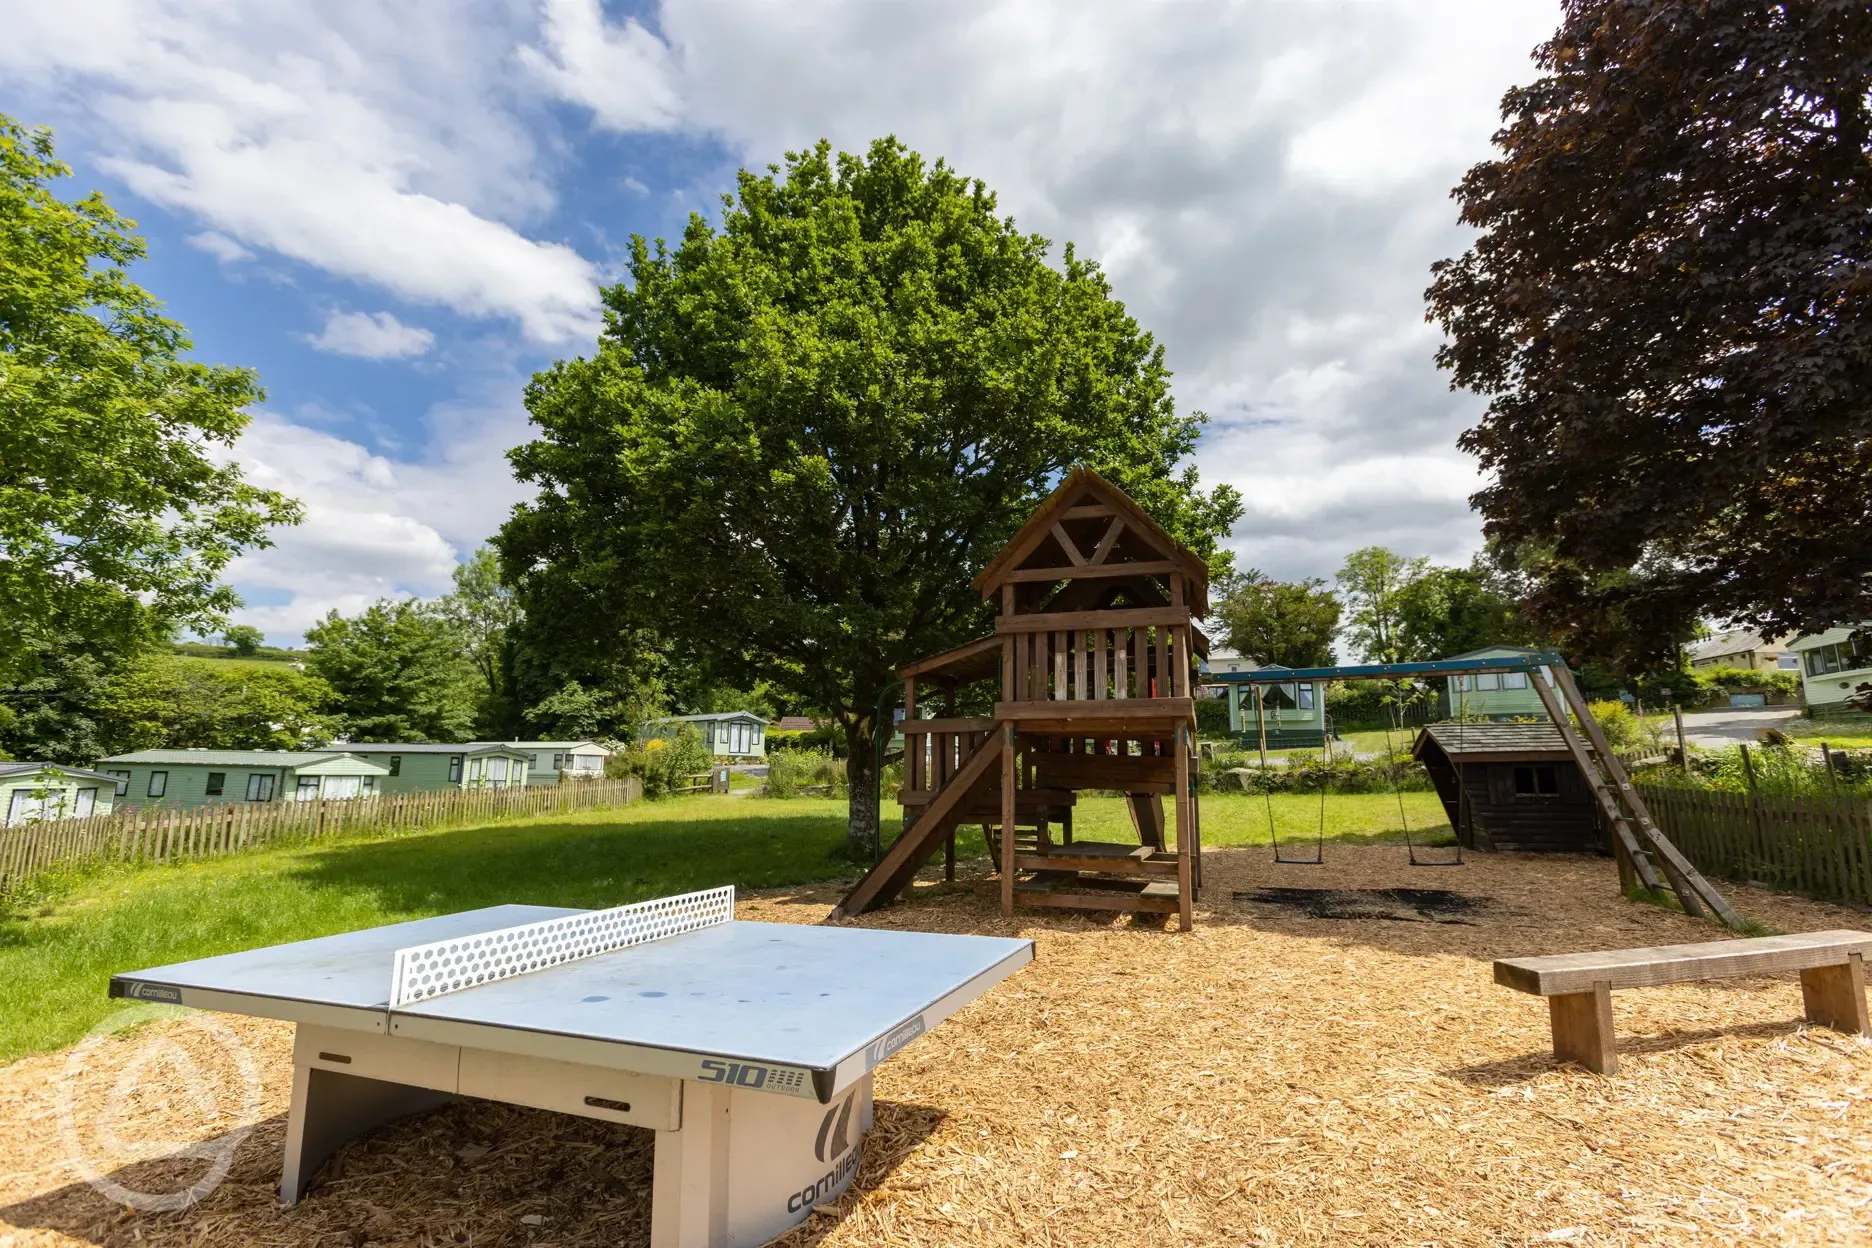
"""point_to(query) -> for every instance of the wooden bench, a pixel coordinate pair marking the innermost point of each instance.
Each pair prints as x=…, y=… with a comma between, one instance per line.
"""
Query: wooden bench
x=1578, y=986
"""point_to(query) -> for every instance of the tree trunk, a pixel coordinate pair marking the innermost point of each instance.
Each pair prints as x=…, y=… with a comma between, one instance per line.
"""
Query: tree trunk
x=861, y=779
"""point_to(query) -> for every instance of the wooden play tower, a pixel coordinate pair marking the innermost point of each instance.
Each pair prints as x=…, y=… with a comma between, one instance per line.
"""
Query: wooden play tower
x=1095, y=654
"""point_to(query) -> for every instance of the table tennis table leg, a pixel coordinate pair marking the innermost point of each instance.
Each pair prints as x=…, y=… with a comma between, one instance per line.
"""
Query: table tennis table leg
x=331, y=1107
x=746, y=1165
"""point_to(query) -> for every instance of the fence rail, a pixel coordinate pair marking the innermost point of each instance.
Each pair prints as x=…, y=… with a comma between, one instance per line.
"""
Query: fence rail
x=163, y=834
x=1821, y=846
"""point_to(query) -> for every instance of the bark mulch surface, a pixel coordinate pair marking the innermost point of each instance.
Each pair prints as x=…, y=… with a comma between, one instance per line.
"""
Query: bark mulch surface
x=1296, y=1070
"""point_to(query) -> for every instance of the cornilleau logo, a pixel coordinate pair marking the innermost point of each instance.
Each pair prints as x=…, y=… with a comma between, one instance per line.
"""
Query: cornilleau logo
x=898, y=1036
x=154, y=992
x=833, y=1146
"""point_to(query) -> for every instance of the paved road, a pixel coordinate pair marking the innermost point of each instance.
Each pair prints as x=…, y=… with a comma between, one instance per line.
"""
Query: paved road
x=1728, y=725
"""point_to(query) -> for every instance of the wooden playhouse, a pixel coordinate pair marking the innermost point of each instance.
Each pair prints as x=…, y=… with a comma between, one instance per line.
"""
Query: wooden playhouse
x=1092, y=665
x=1511, y=786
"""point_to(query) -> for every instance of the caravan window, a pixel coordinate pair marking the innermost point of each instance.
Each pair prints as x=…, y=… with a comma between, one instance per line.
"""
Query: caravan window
x=159, y=783
x=455, y=762
x=497, y=770
x=1514, y=680
x=123, y=781
x=307, y=789
x=217, y=781
x=87, y=802
x=260, y=787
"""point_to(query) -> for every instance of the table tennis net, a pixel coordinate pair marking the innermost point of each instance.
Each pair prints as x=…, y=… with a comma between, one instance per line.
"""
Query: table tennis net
x=425, y=971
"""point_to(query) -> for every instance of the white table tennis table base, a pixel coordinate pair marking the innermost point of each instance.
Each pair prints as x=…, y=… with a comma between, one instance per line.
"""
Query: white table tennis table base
x=733, y=1167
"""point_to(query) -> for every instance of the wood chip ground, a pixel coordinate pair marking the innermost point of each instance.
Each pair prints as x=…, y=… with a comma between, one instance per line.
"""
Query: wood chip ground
x=1271, y=1078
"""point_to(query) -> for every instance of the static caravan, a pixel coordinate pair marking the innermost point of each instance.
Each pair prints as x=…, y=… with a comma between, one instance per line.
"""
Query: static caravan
x=727, y=734
x=1833, y=665
x=548, y=761
x=1494, y=695
x=412, y=768
x=211, y=777
x=32, y=792
x=1295, y=712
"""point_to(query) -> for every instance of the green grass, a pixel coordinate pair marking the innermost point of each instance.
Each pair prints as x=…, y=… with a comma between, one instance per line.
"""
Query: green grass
x=1852, y=734
x=55, y=965
x=1242, y=819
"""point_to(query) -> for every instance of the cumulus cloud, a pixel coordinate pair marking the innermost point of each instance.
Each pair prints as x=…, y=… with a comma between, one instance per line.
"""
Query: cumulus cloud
x=375, y=527
x=371, y=336
x=621, y=73
x=220, y=246
x=1266, y=183
x=380, y=145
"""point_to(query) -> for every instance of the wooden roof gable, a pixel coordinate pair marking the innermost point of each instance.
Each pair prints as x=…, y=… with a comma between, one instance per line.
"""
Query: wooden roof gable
x=1089, y=522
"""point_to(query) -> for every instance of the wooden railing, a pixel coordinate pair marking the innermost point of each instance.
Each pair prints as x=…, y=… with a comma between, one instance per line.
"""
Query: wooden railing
x=1098, y=655
x=163, y=834
x=934, y=750
x=1821, y=846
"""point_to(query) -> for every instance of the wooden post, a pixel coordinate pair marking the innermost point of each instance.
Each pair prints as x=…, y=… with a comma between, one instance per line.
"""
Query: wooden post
x=1834, y=996
x=1008, y=777
x=1683, y=750
x=1186, y=882
x=1582, y=1028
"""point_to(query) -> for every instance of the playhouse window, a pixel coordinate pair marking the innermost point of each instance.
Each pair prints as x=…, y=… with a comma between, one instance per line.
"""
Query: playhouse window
x=1536, y=782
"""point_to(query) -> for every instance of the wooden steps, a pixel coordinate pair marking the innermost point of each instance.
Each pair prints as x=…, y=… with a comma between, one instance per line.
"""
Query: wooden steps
x=1098, y=856
x=1070, y=891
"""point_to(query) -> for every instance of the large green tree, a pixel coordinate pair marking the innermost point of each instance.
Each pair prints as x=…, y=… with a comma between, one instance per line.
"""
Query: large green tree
x=1291, y=623
x=1669, y=311
x=117, y=500
x=397, y=673
x=805, y=429
x=1449, y=611
x=176, y=702
x=484, y=615
x=1373, y=582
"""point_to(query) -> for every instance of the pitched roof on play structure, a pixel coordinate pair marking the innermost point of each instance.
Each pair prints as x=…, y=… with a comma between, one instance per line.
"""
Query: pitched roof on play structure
x=1045, y=543
x=1502, y=742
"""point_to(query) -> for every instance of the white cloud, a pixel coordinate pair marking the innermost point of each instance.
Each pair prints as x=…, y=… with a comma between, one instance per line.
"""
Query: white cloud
x=220, y=246
x=1266, y=182
x=371, y=336
x=382, y=144
x=375, y=527
x=621, y=73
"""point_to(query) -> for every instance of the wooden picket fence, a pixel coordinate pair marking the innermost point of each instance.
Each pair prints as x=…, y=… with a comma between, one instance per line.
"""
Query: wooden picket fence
x=1820, y=846
x=160, y=834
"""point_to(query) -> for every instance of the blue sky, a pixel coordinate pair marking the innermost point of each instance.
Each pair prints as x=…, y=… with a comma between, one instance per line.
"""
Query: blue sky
x=397, y=212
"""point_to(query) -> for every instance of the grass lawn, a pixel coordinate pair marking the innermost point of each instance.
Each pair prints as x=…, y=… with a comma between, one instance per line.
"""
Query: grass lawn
x=1852, y=734
x=55, y=965
x=221, y=664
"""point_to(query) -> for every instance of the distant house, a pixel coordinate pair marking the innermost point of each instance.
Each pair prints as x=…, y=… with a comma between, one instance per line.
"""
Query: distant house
x=1833, y=664
x=727, y=734
x=209, y=777
x=1494, y=695
x=31, y=792
x=548, y=760
x=1220, y=659
x=415, y=767
x=1295, y=710
x=1742, y=648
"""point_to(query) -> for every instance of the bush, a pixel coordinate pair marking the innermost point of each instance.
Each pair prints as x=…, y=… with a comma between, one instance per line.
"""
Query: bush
x=1623, y=730
x=827, y=738
x=1718, y=681
x=1313, y=774
x=1212, y=717
x=802, y=773
x=662, y=763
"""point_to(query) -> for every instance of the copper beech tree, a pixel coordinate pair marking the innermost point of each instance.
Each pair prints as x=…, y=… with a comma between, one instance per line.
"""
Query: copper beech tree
x=803, y=432
x=1669, y=310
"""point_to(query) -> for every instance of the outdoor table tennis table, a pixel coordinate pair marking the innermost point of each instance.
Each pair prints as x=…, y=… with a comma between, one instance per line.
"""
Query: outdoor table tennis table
x=748, y=1047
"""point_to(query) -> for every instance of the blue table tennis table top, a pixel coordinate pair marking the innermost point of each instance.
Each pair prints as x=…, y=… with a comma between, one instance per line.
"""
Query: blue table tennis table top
x=793, y=994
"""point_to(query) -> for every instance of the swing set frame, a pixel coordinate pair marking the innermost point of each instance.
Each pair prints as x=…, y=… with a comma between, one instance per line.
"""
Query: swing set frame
x=1642, y=849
